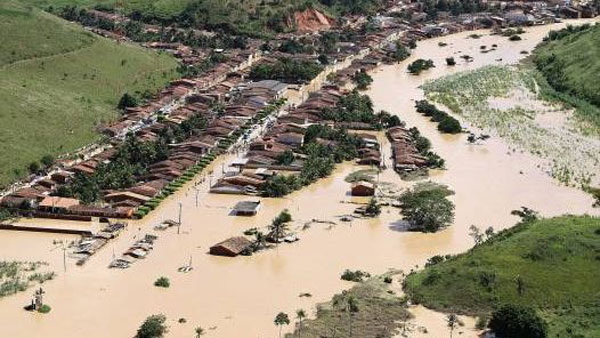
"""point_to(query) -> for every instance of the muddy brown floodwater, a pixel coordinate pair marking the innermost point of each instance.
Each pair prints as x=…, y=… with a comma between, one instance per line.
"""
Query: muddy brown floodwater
x=239, y=297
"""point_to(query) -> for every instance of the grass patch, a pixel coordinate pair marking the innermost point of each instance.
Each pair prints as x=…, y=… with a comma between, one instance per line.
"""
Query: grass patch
x=58, y=82
x=550, y=264
x=374, y=312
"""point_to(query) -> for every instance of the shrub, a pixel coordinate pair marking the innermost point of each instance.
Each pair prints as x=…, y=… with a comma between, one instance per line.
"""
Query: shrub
x=44, y=308
x=416, y=67
x=517, y=321
x=162, y=282
x=514, y=38
x=355, y=276
x=450, y=61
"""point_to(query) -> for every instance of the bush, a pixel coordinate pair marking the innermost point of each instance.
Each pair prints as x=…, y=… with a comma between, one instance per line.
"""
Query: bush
x=162, y=282
x=44, y=308
x=355, y=276
x=517, y=321
x=153, y=327
x=420, y=65
x=515, y=38
x=450, y=61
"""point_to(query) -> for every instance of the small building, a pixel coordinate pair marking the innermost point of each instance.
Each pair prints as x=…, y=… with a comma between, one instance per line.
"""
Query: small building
x=246, y=208
x=363, y=188
x=57, y=204
x=231, y=247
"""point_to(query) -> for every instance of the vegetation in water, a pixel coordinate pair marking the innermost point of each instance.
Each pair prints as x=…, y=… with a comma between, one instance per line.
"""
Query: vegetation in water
x=426, y=207
x=153, y=327
x=506, y=101
x=162, y=282
x=18, y=276
x=419, y=65
x=446, y=123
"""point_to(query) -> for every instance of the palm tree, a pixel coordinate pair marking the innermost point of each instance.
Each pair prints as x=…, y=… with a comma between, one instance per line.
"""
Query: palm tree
x=199, y=332
x=281, y=319
x=452, y=320
x=300, y=314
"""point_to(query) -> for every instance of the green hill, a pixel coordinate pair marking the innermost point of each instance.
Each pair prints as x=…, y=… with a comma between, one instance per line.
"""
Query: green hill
x=58, y=81
x=569, y=59
x=557, y=261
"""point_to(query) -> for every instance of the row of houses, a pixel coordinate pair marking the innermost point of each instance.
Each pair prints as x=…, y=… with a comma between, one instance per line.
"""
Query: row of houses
x=405, y=155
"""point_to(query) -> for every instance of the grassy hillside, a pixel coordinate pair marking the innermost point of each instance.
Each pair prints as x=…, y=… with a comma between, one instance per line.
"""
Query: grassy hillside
x=557, y=261
x=569, y=59
x=57, y=82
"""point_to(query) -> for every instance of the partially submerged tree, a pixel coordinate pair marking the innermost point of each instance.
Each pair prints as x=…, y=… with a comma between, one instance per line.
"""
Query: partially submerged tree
x=280, y=320
x=426, y=207
x=153, y=327
x=452, y=322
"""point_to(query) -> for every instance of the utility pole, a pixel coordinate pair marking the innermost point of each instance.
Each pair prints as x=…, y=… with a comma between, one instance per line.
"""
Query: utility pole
x=179, y=223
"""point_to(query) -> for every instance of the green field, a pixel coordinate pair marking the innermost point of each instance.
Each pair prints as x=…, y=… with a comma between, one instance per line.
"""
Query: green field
x=58, y=82
x=557, y=260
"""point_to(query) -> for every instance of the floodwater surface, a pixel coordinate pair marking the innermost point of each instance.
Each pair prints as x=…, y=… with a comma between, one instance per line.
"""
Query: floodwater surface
x=239, y=297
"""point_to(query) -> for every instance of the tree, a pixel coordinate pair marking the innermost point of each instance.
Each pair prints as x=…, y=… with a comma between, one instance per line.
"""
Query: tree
x=427, y=208
x=281, y=319
x=127, y=100
x=278, y=226
x=153, y=327
x=450, y=61
x=199, y=332
x=323, y=59
x=517, y=321
x=475, y=233
x=362, y=80
x=400, y=53
x=452, y=321
x=300, y=314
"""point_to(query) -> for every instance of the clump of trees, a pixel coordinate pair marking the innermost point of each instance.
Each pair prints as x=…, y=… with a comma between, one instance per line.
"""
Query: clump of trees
x=153, y=327
x=427, y=207
x=446, y=123
x=286, y=70
x=419, y=65
x=362, y=80
x=517, y=321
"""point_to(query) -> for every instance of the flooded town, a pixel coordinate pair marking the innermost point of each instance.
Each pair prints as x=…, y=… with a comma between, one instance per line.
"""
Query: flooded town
x=331, y=169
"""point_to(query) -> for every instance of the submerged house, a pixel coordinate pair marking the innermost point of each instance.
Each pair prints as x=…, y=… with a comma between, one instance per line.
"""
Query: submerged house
x=363, y=188
x=231, y=247
x=246, y=208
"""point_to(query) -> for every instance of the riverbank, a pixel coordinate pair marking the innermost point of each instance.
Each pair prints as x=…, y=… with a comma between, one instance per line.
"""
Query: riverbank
x=240, y=297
